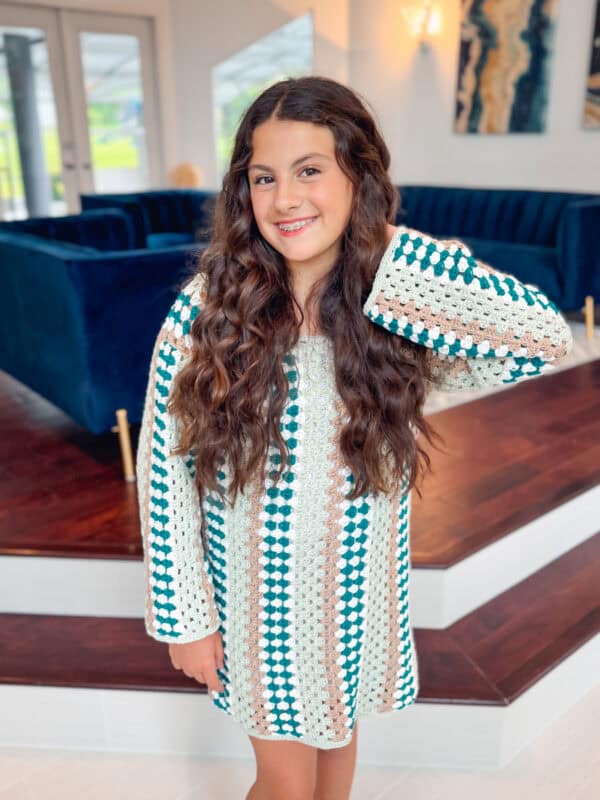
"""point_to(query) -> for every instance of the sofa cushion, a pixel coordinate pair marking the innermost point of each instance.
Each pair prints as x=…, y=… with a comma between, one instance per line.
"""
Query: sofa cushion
x=167, y=239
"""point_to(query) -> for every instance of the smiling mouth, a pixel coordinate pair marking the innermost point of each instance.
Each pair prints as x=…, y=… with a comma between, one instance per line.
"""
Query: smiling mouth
x=295, y=227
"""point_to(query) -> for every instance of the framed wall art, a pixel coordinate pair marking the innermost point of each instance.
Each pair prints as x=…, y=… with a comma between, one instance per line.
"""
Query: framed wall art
x=504, y=65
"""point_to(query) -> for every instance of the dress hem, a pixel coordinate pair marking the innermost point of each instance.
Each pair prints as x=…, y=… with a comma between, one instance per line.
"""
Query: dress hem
x=311, y=741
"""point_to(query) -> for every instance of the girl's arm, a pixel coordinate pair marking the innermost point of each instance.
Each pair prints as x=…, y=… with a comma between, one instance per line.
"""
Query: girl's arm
x=180, y=604
x=484, y=326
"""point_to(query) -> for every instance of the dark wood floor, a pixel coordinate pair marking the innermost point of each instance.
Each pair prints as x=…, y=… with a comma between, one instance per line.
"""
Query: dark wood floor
x=62, y=491
x=511, y=457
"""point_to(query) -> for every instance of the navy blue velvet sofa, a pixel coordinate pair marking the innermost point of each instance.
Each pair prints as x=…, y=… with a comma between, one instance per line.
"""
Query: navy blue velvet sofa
x=161, y=217
x=80, y=307
x=82, y=296
x=550, y=239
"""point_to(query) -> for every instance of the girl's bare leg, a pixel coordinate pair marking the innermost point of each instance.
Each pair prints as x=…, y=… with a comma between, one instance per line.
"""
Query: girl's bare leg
x=285, y=770
x=335, y=770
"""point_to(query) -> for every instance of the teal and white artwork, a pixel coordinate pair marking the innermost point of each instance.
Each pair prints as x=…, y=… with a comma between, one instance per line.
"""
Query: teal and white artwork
x=504, y=65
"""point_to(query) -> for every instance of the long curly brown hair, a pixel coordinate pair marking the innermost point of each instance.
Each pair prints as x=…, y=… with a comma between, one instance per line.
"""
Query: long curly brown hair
x=229, y=397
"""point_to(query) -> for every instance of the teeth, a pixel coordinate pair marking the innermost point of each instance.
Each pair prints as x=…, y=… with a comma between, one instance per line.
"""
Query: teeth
x=295, y=226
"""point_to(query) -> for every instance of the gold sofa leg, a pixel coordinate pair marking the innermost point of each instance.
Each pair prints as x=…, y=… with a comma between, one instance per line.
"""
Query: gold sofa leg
x=122, y=427
x=588, y=313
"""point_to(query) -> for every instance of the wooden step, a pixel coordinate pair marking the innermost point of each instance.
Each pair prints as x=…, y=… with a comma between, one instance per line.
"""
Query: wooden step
x=494, y=674
x=512, y=456
x=59, y=551
x=490, y=656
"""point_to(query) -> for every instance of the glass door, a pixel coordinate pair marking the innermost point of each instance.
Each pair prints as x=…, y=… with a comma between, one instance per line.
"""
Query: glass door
x=110, y=73
x=34, y=118
x=78, y=109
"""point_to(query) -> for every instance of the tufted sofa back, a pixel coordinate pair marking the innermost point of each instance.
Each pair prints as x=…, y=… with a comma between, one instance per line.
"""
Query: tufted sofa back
x=159, y=211
x=108, y=229
x=508, y=215
x=175, y=210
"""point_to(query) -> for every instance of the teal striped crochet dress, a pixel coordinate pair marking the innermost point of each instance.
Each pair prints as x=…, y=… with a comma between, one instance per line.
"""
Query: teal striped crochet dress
x=311, y=591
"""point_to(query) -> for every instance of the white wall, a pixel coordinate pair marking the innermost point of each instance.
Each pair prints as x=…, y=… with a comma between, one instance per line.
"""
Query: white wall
x=413, y=94
x=365, y=44
x=205, y=34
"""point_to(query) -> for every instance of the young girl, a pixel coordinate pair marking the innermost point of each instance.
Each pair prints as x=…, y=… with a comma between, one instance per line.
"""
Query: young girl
x=278, y=445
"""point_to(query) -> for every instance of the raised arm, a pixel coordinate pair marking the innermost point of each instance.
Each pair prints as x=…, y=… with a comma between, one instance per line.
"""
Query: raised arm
x=180, y=603
x=484, y=326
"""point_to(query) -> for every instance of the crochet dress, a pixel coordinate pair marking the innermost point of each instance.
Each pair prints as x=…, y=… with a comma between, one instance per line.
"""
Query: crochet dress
x=311, y=591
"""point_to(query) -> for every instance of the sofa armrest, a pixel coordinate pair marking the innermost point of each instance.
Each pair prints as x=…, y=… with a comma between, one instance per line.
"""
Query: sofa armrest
x=124, y=299
x=41, y=326
x=77, y=325
x=578, y=246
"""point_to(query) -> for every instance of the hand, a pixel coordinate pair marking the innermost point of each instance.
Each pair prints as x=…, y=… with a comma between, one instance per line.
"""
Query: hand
x=200, y=659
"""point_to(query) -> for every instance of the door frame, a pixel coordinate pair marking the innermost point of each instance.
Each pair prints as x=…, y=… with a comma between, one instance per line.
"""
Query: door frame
x=61, y=27
x=71, y=24
x=47, y=20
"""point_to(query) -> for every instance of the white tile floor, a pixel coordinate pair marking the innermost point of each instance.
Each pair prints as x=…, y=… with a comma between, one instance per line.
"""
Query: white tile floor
x=562, y=764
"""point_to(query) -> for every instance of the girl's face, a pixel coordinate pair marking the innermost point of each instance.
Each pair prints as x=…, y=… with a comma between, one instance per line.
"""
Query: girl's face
x=293, y=175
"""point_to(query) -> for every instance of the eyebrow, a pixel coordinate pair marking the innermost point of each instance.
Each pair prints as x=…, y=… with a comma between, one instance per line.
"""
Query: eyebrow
x=294, y=163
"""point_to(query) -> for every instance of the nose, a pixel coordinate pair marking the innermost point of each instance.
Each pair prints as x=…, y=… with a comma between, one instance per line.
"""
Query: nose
x=287, y=195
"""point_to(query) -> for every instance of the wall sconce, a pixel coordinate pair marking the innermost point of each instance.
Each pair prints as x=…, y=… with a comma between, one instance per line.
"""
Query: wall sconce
x=423, y=20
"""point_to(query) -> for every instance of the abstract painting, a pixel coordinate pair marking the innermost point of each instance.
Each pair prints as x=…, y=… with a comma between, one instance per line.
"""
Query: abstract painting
x=504, y=64
x=591, y=117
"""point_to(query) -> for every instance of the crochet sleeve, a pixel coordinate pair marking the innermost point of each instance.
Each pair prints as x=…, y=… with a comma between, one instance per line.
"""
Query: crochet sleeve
x=484, y=326
x=180, y=603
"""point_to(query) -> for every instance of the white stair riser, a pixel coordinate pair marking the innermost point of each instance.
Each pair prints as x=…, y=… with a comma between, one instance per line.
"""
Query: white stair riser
x=109, y=587
x=440, y=597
